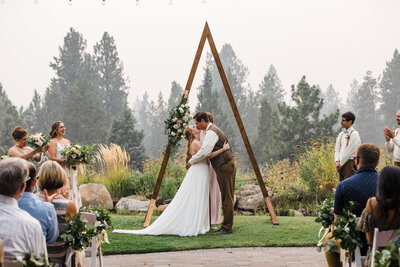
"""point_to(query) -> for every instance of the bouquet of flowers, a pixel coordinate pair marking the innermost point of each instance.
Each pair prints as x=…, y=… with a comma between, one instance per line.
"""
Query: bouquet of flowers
x=38, y=140
x=179, y=117
x=78, y=153
x=3, y=155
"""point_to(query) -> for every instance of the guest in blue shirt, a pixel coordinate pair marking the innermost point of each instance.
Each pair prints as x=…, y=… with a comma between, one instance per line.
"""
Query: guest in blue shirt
x=42, y=211
x=362, y=185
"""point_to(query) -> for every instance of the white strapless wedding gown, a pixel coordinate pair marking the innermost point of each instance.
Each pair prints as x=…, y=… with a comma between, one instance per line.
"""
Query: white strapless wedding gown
x=188, y=212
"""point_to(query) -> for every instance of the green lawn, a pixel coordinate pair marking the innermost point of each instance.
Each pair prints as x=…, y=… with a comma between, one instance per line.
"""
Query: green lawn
x=248, y=231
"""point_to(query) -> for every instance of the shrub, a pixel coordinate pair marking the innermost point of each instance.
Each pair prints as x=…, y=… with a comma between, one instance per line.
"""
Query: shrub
x=317, y=167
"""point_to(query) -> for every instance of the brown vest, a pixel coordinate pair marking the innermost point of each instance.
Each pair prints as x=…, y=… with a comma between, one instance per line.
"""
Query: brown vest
x=224, y=157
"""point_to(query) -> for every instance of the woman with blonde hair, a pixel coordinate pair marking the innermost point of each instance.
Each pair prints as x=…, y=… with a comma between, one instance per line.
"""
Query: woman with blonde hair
x=188, y=212
x=53, y=179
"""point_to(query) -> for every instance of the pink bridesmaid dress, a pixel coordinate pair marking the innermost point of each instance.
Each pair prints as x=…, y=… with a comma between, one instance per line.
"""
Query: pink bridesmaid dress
x=215, y=193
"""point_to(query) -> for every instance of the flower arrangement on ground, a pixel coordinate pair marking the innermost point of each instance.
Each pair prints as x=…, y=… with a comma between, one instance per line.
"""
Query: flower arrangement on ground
x=38, y=140
x=78, y=153
x=178, y=120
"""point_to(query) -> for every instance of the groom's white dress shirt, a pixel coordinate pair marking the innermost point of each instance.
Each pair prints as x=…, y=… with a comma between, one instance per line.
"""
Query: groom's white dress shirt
x=209, y=142
x=393, y=146
x=346, y=145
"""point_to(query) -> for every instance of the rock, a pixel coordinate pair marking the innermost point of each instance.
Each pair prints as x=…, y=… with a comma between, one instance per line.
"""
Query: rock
x=133, y=203
x=250, y=198
x=162, y=207
x=159, y=201
x=95, y=195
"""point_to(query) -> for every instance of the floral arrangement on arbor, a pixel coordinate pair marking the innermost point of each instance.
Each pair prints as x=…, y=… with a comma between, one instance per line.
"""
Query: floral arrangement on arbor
x=77, y=153
x=38, y=140
x=178, y=120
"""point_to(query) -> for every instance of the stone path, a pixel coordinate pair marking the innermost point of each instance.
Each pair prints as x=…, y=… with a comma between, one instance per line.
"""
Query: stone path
x=265, y=256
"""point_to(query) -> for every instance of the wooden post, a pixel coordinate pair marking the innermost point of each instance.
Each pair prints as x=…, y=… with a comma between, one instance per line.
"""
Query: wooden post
x=168, y=150
x=207, y=34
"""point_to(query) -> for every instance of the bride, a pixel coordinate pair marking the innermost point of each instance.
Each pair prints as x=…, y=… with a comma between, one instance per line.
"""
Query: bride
x=188, y=212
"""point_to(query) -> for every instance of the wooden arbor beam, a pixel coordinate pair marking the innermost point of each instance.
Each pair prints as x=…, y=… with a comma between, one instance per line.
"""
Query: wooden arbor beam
x=207, y=34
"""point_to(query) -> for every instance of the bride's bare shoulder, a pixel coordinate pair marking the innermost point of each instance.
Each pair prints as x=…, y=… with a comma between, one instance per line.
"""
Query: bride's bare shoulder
x=196, y=145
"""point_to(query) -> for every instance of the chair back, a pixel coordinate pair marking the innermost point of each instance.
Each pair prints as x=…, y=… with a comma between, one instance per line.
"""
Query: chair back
x=381, y=239
x=12, y=264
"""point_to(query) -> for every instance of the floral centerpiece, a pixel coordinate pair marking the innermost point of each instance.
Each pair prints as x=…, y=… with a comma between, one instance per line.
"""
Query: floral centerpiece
x=78, y=153
x=38, y=140
x=178, y=120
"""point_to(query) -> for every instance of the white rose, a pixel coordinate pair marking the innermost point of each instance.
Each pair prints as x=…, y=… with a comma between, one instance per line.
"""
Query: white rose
x=173, y=133
x=174, y=119
x=176, y=126
x=39, y=143
x=179, y=122
x=78, y=146
x=181, y=110
x=73, y=156
x=186, y=105
x=185, y=118
x=179, y=130
x=184, y=124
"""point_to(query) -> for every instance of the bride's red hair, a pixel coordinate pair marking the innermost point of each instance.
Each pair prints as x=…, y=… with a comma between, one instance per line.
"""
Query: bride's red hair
x=189, y=137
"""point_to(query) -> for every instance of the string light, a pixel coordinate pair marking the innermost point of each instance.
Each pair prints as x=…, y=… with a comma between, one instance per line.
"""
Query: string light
x=170, y=2
x=103, y=2
x=3, y=1
x=137, y=2
x=70, y=2
x=35, y=2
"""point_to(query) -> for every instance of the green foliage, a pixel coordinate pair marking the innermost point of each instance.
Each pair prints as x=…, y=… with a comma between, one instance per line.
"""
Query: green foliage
x=317, y=167
x=265, y=140
x=390, y=88
x=38, y=140
x=296, y=124
x=388, y=257
x=78, y=235
x=125, y=134
x=346, y=230
x=78, y=153
x=33, y=261
x=103, y=222
x=176, y=94
x=176, y=123
x=325, y=214
x=271, y=88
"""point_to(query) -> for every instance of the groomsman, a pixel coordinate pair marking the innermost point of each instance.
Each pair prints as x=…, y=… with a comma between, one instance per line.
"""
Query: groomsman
x=393, y=141
x=346, y=145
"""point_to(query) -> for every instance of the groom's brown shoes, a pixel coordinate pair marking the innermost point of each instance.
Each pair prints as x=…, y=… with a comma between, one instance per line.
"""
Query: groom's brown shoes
x=223, y=232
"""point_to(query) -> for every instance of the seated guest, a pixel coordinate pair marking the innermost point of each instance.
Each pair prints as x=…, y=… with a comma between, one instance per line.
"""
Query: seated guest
x=361, y=186
x=42, y=211
x=52, y=178
x=382, y=211
x=20, y=149
x=20, y=232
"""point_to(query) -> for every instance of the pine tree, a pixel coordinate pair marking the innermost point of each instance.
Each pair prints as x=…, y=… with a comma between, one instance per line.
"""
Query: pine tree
x=69, y=64
x=84, y=115
x=111, y=80
x=390, y=89
x=265, y=141
x=364, y=104
x=124, y=133
x=9, y=118
x=302, y=121
x=158, y=140
x=33, y=115
x=271, y=88
x=176, y=93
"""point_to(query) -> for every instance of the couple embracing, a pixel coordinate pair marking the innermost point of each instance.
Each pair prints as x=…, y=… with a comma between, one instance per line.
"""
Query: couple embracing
x=188, y=212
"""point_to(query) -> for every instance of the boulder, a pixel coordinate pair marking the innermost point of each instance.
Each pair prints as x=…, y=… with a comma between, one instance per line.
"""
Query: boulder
x=250, y=198
x=95, y=195
x=133, y=203
x=162, y=207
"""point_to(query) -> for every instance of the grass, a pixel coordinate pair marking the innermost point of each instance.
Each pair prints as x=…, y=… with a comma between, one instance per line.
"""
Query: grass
x=248, y=231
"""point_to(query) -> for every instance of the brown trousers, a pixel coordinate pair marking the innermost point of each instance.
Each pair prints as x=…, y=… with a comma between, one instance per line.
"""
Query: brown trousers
x=226, y=174
x=347, y=170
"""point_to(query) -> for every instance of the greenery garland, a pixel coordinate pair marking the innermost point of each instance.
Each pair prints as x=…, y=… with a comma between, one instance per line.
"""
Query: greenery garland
x=178, y=120
x=78, y=234
x=103, y=222
x=31, y=260
x=390, y=256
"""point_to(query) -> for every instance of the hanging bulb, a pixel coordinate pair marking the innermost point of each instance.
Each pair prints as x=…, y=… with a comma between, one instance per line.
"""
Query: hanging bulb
x=3, y=1
x=204, y=1
x=70, y=2
x=137, y=2
x=35, y=2
x=103, y=2
x=170, y=2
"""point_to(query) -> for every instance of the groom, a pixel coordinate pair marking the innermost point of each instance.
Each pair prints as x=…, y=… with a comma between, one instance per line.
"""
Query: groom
x=224, y=165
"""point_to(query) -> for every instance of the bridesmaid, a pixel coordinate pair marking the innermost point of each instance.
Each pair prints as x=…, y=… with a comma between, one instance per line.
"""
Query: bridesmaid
x=215, y=193
x=56, y=145
x=20, y=149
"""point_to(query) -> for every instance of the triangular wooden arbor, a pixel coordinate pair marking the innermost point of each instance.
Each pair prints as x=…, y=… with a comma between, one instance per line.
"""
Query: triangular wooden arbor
x=207, y=34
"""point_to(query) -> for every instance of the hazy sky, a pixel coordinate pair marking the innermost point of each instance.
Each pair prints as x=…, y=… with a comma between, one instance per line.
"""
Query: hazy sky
x=328, y=41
